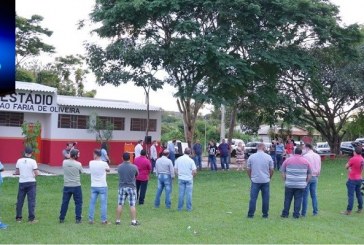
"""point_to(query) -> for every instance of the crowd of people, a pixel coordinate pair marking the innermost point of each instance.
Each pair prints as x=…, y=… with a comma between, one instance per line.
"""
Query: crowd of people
x=300, y=171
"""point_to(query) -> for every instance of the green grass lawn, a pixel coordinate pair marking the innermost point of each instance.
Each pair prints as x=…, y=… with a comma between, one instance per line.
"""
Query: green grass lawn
x=220, y=204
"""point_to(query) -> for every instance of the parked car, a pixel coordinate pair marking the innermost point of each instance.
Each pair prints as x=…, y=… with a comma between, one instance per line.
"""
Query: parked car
x=346, y=147
x=251, y=147
x=322, y=148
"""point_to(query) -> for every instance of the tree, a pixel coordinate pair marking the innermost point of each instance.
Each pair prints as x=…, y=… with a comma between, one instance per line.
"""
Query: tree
x=28, y=38
x=103, y=130
x=355, y=128
x=326, y=93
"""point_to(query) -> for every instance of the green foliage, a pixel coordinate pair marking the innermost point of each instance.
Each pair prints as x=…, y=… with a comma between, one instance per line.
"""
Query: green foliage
x=28, y=38
x=24, y=75
x=355, y=128
x=103, y=130
x=31, y=132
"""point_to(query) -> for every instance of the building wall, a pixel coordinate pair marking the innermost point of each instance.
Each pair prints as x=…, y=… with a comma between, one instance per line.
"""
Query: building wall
x=54, y=139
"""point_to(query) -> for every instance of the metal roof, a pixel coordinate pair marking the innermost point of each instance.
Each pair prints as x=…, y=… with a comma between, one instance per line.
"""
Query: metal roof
x=102, y=103
x=34, y=87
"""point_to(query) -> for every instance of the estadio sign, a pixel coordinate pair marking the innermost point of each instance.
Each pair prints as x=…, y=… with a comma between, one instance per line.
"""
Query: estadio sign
x=34, y=102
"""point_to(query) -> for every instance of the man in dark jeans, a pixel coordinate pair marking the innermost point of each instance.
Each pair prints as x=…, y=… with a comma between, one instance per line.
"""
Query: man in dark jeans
x=27, y=169
x=224, y=149
x=260, y=171
x=296, y=173
x=197, y=150
x=355, y=168
x=72, y=186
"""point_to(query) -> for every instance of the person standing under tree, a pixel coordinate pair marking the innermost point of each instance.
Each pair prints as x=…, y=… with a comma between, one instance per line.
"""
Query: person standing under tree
x=224, y=149
x=72, y=186
x=104, y=155
x=315, y=162
x=127, y=189
x=279, y=154
x=98, y=170
x=197, y=151
x=2, y=225
x=138, y=148
x=355, y=168
x=172, y=151
x=185, y=169
x=296, y=173
x=153, y=154
x=260, y=171
x=240, y=156
x=212, y=149
x=165, y=174
x=144, y=168
x=27, y=169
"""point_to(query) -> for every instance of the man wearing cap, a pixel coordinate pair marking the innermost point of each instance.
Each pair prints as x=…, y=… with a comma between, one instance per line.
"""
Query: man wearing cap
x=185, y=169
x=27, y=169
x=72, y=186
x=98, y=170
x=127, y=188
x=2, y=225
x=138, y=148
x=144, y=167
x=165, y=174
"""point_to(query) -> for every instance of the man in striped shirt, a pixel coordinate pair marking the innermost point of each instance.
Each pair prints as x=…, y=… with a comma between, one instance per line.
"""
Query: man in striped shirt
x=296, y=173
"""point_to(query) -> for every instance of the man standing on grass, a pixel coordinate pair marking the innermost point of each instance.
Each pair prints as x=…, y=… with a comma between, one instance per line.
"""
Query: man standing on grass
x=127, y=188
x=153, y=154
x=27, y=169
x=138, y=148
x=355, y=169
x=185, y=169
x=72, y=186
x=315, y=162
x=144, y=168
x=197, y=150
x=224, y=149
x=296, y=173
x=165, y=174
x=2, y=225
x=98, y=170
x=260, y=171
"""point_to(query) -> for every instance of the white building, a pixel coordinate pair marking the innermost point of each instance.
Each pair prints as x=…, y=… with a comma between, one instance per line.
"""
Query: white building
x=66, y=118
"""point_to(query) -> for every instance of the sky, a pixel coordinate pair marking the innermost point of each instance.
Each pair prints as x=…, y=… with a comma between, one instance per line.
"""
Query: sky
x=62, y=16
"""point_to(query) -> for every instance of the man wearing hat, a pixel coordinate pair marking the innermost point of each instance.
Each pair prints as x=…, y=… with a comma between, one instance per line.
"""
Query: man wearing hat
x=27, y=169
x=127, y=188
x=72, y=185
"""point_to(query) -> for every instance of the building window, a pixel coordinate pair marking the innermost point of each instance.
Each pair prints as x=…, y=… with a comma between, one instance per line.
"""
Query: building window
x=72, y=121
x=11, y=119
x=140, y=124
x=118, y=122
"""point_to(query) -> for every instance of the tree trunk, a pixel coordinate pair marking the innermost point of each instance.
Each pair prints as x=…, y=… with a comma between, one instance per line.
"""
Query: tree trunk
x=232, y=123
x=189, y=112
x=222, y=128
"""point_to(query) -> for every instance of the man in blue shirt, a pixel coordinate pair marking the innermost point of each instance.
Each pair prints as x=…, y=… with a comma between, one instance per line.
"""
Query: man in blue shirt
x=224, y=149
x=279, y=154
x=197, y=150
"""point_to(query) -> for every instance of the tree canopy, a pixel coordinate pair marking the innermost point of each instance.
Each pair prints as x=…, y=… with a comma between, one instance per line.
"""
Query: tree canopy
x=217, y=51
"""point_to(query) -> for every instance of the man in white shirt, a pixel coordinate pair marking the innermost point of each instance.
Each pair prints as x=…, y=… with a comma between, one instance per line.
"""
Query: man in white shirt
x=315, y=163
x=185, y=169
x=153, y=154
x=98, y=170
x=27, y=169
x=138, y=148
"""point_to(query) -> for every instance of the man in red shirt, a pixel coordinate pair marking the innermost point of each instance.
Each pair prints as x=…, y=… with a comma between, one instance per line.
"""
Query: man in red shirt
x=355, y=167
x=144, y=167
